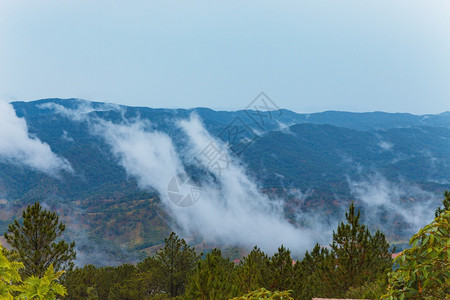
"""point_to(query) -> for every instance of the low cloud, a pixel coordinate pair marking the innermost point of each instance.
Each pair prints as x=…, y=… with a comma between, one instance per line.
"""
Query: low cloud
x=19, y=147
x=81, y=113
x=386, y=146
x=65, y=136
x=231, y=210
x=285, y=128
x=149, y=156
x=388, y=202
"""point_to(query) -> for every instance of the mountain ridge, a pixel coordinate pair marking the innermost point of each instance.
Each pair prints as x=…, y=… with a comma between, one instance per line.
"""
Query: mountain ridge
x=306, y=159
x=332, y=117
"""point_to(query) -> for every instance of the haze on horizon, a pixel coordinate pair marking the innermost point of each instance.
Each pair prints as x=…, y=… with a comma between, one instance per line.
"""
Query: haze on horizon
x=308, y=56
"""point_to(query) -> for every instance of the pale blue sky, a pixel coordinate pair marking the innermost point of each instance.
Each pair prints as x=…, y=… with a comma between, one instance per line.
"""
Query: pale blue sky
x=306, y=55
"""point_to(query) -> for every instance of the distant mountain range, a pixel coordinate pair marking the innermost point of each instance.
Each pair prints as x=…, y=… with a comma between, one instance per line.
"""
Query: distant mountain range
x=311, y=160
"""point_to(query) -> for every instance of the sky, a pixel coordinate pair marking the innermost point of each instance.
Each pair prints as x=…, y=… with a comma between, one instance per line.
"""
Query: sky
x=307, y=56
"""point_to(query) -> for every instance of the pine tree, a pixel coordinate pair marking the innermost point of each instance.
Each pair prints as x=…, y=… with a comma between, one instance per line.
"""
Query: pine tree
x=282, y=270
x=214, y=278
x=253, y=272
x=359, y=256
x=81, y=283
x=175, y=263
x=147, y=277
x=313, y=274
x=35, y=242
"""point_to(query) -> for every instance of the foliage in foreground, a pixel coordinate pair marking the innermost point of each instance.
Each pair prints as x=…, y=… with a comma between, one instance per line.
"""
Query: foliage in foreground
x=46, y=287
x=34, y=242
x=356, y=265
x=357, y=259
x=266, y=294
x=445, y=203
x=9, y=276
x=424, y=269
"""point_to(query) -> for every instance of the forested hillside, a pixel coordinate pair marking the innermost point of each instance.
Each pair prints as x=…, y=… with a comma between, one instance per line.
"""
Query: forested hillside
x=314, y=162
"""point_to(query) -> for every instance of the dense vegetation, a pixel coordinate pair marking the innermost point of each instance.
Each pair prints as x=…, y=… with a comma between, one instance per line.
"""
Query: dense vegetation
x=320, y=143
x=356, y=264
x=34, y=242
x=33, y=287
x=315, y=154
x=27, y=271
x=424, y=270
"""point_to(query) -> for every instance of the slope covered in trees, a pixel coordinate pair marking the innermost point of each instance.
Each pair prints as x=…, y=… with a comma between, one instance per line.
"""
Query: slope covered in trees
x=355, y=259
x=308, y=163
x=328, y=149
x=356, y=264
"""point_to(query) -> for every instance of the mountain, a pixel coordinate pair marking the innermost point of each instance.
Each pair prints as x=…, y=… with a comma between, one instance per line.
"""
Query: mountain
x=328, y=153
x=311, y=160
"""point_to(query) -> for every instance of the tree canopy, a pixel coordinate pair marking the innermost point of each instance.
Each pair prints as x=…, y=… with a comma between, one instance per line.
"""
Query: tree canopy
x=46, y=287
x=355, y=265
x=424, y=269
x=174, y=264
x=35, y=242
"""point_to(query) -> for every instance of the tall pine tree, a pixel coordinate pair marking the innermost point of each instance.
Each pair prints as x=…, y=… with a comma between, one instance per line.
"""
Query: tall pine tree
x=253, y=272
x=35, y=242
x=282, y=270
x=174, y=265
x=214, y=278
x=359, y=256
x=313, y=274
